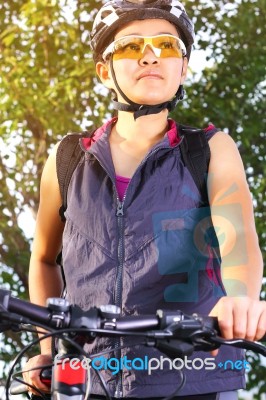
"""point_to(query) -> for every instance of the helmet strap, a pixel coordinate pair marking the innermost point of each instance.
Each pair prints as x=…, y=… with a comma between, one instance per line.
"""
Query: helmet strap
x=140, y=110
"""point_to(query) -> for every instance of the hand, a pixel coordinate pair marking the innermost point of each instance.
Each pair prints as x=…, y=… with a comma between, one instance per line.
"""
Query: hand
x=33, y=376
x=241, y=317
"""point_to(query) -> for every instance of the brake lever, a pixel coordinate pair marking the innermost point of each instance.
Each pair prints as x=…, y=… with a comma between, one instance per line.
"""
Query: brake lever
x=193, y=331
x=241, y=343
x=182, y=338
x=203, y=340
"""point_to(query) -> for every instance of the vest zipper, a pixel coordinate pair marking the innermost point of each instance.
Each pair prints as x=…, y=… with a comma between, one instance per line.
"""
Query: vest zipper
x=119, y=280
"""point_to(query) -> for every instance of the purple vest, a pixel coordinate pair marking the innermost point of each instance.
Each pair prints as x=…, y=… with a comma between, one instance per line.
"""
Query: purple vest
x=154, y=250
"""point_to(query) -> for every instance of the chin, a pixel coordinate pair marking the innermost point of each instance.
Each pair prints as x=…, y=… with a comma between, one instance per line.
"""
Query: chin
x=150, y=101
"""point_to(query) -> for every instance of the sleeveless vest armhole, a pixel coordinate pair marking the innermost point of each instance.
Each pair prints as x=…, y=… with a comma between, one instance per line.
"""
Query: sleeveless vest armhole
x=210, y=131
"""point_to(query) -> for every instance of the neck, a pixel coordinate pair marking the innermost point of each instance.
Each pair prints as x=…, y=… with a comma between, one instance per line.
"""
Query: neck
x=148, y=128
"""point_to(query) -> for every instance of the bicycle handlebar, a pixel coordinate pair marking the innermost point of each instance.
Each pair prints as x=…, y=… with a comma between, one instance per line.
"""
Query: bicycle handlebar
x=173, y=333
x=202, y=332
x=60, y=314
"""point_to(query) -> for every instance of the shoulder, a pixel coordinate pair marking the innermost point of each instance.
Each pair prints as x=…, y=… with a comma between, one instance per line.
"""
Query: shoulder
x=49, y=176
x=221, y=136
x=52, y=155
x=224, y=152
x=226, y=169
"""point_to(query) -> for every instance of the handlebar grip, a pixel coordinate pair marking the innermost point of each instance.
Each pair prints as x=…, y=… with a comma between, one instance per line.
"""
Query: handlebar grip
x=24, y=308
x=20, y=388
x=212, y=322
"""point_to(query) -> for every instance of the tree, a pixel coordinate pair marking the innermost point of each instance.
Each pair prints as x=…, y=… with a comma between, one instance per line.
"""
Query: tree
x=48, y=87
x=47, y=80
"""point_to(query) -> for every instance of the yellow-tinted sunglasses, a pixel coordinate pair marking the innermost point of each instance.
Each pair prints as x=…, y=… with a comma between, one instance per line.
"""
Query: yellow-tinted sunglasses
x=134, y=46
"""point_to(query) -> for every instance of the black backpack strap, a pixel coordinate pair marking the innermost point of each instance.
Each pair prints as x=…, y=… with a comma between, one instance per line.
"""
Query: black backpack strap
x=195, y=151
x=68, y=156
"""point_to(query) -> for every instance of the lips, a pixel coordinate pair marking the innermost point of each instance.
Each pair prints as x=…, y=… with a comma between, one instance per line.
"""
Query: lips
x=150, y=75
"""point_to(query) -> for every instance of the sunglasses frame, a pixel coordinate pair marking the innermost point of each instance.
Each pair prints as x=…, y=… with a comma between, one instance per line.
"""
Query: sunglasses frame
x=110, y=49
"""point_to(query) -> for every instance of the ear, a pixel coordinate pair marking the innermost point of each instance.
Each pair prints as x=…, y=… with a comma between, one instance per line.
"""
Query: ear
x=184, y=70
x=103, y=72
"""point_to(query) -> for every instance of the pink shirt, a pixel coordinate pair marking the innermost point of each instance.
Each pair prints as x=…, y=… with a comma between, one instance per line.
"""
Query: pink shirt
x=121, y=186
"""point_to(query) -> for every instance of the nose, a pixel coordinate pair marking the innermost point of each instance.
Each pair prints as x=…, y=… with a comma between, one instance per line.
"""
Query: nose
x=148, y=56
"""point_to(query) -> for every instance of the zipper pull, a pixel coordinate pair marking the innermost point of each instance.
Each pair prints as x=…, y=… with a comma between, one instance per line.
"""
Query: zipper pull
x=119, y=209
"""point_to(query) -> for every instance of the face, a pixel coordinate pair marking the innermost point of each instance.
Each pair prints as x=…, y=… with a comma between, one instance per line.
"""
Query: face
x=149, y=79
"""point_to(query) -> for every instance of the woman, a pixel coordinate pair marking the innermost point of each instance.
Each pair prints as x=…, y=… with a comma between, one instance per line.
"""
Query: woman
x=136, y=224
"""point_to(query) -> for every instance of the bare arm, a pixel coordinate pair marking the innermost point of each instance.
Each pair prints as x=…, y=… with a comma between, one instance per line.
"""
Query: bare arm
x=240, y=314
x=44, y=274
x=45, y=278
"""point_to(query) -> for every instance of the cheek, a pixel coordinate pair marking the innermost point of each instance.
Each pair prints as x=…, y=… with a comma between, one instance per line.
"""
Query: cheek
x=175, y=68
x=179, y=74
x=172, y=70
x=124, y=69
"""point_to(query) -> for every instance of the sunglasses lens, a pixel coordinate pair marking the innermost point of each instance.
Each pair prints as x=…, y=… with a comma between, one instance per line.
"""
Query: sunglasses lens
x=170, y=46
x=132, y=47
x=128, y=47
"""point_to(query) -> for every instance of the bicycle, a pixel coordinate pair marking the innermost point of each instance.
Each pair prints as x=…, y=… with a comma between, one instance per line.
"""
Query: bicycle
x=173, y=333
